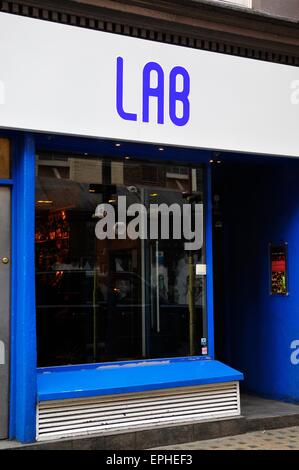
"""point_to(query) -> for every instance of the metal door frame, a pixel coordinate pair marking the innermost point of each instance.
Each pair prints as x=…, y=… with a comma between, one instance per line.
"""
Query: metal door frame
x=5, y=308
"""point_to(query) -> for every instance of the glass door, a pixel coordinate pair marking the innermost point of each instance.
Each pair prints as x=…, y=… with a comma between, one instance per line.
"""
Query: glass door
x=177, y=325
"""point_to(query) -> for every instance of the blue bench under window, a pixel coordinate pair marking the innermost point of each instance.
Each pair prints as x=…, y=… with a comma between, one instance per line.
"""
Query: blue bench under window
x=57, y=383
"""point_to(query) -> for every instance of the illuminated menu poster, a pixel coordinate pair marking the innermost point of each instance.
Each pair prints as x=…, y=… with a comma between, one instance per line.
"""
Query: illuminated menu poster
x=278, y=263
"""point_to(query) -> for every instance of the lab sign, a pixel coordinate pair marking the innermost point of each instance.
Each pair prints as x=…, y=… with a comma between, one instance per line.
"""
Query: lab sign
x=157, y=91
x=62, y=79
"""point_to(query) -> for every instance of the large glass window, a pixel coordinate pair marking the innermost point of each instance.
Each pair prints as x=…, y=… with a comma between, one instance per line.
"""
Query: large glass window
x=120, y=261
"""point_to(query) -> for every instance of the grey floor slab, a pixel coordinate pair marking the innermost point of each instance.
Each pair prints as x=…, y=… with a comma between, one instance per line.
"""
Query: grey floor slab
x=255, y=407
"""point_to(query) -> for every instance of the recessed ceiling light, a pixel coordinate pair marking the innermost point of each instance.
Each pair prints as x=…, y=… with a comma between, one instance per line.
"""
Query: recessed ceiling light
x=211, y=161
x=161, y=149
x=117, y=145
x=218, y=161
x=127, y=158
x=85, y=153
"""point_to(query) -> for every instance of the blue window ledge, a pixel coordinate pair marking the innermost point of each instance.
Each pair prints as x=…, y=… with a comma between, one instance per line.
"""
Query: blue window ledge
x=57, y=383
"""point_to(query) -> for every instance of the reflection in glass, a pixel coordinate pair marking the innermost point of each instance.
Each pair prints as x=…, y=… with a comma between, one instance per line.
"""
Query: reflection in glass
x=114, y=299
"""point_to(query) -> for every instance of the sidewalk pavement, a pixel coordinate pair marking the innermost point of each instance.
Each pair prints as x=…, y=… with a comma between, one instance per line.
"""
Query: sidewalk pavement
x=278, y=439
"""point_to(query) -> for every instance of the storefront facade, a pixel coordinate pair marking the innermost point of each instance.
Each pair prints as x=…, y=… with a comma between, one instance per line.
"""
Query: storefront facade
x=99, y=332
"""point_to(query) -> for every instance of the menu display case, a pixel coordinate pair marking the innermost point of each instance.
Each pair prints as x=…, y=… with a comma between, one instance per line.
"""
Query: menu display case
x=278, y=269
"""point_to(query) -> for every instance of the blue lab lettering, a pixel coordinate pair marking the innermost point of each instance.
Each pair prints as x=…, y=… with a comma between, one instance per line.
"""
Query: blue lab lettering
x=157, y=92
x=120, y=92
x=149, y=91
x=182, y=96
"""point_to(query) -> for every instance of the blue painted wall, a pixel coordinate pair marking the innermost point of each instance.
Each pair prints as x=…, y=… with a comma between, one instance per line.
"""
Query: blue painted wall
x=260, y=204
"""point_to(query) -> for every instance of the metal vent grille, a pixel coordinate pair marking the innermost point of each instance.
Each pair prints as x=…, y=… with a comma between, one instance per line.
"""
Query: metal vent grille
x=64, y=418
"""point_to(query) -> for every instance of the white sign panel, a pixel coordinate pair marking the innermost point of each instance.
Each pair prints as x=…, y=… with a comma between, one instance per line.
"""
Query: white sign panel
x=63, y=79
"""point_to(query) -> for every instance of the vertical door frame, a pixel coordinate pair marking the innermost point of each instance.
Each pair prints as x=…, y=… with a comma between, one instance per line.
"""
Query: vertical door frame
x=5, y=320
x=209, y=259
x=23, y=386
